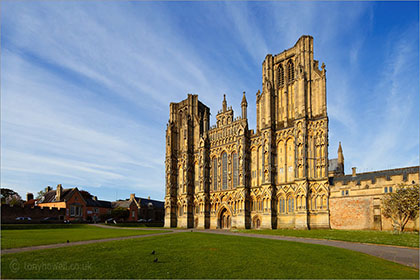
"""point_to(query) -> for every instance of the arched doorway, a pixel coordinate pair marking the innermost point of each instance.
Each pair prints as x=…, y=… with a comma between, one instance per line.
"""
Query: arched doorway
x=256, y=223
x=225, y=219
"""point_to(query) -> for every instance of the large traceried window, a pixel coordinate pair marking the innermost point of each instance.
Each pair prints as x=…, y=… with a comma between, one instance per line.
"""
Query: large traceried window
x=235, y=170
x=290, y=71
x=224, y=171
x=215, y=174
x=291, y=205
x=259, y=165
x=281, y=75
x=180, y=177
x=253, y=167
x=281, y=205
x=196, y=176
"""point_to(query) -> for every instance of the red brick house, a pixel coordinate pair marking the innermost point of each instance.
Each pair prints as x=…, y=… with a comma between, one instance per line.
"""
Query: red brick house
x=149, y=209
x=130, y=205
x=78, y=208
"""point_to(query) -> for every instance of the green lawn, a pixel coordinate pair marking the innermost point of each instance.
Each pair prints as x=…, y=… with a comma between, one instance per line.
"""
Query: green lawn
x=151, y=225
x=200, y=255
x=15, y=236
x=408, y=239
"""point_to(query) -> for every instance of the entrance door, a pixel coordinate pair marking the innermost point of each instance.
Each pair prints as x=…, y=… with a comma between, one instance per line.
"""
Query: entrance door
x=225, y=219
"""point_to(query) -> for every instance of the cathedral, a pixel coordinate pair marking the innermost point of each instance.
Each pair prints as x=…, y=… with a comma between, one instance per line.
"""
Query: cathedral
x=277, y=176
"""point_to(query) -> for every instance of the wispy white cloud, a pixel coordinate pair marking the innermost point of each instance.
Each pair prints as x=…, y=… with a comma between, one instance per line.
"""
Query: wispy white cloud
x=86, y=87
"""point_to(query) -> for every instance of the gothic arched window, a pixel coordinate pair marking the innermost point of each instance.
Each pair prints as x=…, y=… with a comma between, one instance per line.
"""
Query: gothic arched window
x=291, y=205
x=281, y=75
x=235, y=170
x=215, y=173
x=224, y=171
x=290, y=71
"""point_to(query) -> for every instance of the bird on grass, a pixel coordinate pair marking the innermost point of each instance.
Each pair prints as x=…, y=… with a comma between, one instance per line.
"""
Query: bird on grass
x=153, y=252
x=155, y=260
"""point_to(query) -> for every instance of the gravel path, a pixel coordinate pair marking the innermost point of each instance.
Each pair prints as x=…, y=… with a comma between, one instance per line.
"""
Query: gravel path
x=402, y=255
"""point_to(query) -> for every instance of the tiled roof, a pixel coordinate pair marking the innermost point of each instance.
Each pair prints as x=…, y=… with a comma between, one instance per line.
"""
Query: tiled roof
x=98, y=203
x=50, y=196
x=145, y=202
x=121, y=203
x=376, y=174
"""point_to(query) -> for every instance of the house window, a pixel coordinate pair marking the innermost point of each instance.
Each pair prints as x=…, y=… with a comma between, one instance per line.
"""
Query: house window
x=386, y=189
x=224, y=169
x=347, y=192
x=96, y=210
x=390, y=189
x=133, y=214
x=72, y=211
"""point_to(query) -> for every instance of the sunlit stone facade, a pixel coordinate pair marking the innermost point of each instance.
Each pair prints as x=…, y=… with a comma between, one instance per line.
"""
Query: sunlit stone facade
x=228, y=175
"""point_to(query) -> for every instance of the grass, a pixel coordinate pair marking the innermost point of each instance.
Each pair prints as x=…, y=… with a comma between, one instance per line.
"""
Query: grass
x=153, y=225
x=407, y=239
x=200, y=255
x=16, y=236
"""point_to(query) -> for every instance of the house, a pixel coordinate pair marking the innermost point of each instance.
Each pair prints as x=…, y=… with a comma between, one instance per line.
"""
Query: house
x=78, y=207
x=149, y=209
x=130, y=205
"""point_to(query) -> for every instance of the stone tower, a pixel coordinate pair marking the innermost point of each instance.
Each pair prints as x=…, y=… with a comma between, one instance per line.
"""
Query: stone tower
x=188, y=122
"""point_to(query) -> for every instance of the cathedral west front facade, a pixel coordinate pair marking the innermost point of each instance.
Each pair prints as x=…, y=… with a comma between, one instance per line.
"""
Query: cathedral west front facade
x=231, y=176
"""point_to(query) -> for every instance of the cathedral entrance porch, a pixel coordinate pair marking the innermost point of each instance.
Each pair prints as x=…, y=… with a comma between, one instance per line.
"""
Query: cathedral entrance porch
x=225, y=219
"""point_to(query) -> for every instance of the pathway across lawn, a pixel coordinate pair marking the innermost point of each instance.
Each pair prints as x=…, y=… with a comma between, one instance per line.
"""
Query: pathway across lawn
x=192, y=255
x=21, y=235
x=402, y=255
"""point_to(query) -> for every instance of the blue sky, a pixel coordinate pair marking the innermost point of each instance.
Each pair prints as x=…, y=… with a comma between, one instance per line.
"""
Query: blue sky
x=86, y=85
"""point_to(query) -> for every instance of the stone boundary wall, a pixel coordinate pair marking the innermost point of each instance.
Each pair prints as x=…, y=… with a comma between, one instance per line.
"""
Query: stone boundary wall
x=361, y=213
x=36, y=213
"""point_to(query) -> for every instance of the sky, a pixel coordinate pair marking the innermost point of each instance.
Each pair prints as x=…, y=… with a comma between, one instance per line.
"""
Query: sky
x=86, y=85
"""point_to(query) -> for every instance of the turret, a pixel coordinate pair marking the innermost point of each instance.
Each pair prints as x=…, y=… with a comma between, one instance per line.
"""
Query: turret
x=340, y=160
x=244, y=105
x=224, y=104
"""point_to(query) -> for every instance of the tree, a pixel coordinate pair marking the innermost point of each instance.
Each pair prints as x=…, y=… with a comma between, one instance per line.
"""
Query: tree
x=120, y=213
x=10, y=197
x=401, y=206
x=41, y=193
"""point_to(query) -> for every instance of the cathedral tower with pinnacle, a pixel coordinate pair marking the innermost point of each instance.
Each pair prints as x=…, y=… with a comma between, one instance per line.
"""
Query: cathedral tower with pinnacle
x=228, y=176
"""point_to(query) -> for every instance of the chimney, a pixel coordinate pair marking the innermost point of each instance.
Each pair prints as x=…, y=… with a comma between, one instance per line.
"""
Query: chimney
x=132, y=196
x=148, y=197
x=353, y=171
x=29, y=196
x=95, y=198
x=48, y=189
x=58, y=193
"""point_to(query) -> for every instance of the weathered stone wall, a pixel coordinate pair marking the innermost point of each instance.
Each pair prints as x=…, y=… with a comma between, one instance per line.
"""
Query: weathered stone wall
x=351, y=213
